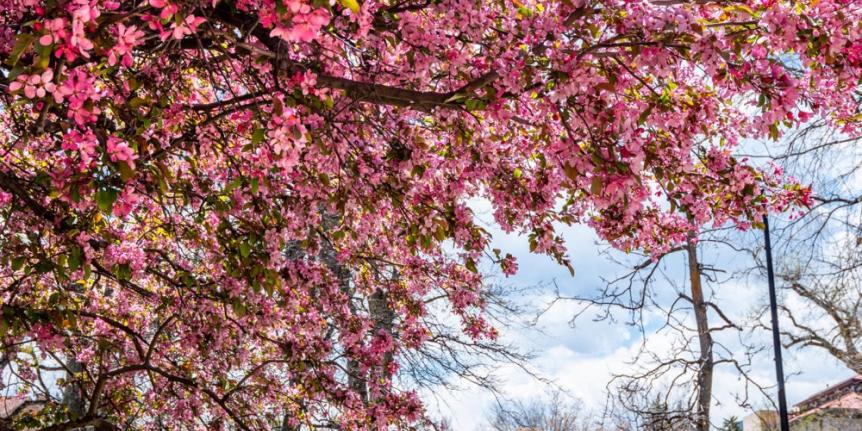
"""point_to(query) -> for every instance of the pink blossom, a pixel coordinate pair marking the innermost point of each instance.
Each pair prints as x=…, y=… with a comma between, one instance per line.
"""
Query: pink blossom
x=509, y=265
x=85, y=144
x=188, y=26
x=5, y=198
x=127, y=39
x=305, y=25
x=85, y=355
x=34, y=85
x=79, y=89
x=125, y=203
x=119, y=151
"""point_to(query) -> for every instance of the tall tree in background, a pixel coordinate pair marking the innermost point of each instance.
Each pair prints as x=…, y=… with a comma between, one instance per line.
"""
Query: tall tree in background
x=706, y=357
x=731, y=424
x=671, y=298
x=169, y=167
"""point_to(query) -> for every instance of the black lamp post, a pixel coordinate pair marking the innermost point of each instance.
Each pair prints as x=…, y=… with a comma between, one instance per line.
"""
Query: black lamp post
x=776, y=336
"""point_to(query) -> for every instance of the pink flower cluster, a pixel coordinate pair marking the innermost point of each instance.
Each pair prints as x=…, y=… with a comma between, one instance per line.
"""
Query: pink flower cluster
x=119, y=151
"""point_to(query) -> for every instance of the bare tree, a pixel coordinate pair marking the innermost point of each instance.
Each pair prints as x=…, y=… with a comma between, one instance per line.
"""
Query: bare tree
x=553, y=412
x=704, y=337
x=679, y=374
x=818, y=251
x=662, y=417
x=833, y=319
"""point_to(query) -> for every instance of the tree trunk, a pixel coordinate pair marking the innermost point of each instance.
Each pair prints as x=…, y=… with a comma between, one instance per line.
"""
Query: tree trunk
x=72, y=398
x=704, y=374
x=355, y=377
x=285, y=424
x=381, y=313
x=378, y=308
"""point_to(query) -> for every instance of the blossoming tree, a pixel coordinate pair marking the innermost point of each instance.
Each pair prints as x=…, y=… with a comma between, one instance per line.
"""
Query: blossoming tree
x=233, y=214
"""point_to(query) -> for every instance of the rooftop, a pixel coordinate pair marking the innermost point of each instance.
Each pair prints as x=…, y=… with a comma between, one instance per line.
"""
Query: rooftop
x=846, y=395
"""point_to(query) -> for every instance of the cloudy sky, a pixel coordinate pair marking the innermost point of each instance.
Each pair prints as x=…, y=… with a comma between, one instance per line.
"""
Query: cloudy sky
x=582, y=358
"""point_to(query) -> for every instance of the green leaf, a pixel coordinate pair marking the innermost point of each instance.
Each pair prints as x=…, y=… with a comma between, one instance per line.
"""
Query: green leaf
x=471, y=265
x=740, y=8
x=596, y=185
x=233, y=185
x=571, y=172
x=54, y=299
x=123, y=272
x=22, y=42
x=17, y=263
x=518, y=173
x=244, y=249
x=455, y=97
x=137, y=102
x=106, y=198
x=13, y=74
x=238, y=308
x=163, y=185
x=475, y=104
x=44, y=266
x=258, y=135
x=774, y=133
x=60, y=271
x=44, y=57
x=442, y=232
x=74, y=260
x=126, y=172
x=645, y=114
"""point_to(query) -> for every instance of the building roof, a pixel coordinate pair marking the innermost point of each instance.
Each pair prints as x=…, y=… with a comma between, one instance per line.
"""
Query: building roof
x=846, y=395
x=857, y=379
x=8, y=405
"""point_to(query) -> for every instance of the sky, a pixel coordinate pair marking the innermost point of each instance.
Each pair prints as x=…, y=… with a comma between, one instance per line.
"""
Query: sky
x=581, y=358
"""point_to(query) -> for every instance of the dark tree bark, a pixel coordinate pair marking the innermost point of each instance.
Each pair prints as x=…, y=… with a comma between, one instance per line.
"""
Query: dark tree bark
x=72, y=397
x=705, y=370
x=383, y=316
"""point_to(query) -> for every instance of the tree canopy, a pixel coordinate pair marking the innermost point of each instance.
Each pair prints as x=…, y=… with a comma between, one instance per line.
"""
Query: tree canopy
x=206, y=204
